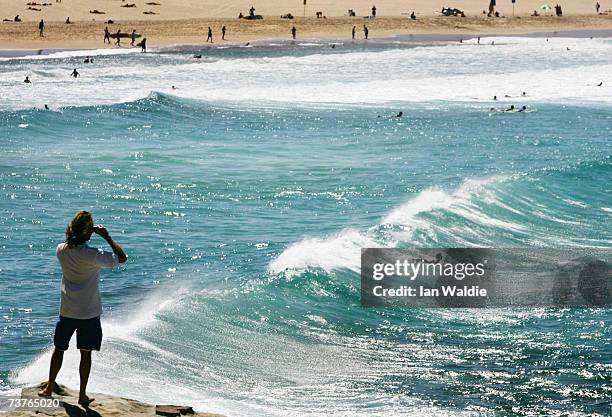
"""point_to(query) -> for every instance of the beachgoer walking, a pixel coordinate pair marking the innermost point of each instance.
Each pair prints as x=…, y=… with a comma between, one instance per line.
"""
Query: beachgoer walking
x=143, y=45
x=353, y=31
x=366, y=31
x=118, y=41
x=491, y=8
x=75, y=73
x=80, y=305
x=133, y=36
x=223, y=33
x=209, y=37
x=293, y=32
x=41, y=27
x=106, y=35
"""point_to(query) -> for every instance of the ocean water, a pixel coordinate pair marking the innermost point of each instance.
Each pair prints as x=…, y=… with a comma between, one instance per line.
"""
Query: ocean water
x=243, y=198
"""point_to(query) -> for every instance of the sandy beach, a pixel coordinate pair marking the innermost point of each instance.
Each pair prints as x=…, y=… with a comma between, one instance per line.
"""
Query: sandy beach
x=178, y=22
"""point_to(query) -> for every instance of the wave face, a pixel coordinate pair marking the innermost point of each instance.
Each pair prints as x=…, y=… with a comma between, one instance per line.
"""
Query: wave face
x=244, y=223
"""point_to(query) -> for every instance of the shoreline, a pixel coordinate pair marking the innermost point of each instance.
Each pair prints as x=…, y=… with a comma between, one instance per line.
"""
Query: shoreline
x=416, y=38
x=174, y=33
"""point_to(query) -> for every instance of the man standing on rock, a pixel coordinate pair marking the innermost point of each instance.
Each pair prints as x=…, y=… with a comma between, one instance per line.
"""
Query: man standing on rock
x=81, y=305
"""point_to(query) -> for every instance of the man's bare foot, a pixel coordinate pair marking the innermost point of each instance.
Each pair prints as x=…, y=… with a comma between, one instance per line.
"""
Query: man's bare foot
x=46, y=392
x=84, y=400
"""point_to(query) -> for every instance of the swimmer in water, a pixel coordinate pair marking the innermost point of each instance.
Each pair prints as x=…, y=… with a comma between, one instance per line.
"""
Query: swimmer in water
x=75, y=73
x=27, y=80
x=522, y=109
x=400, y=114
x=511, y=108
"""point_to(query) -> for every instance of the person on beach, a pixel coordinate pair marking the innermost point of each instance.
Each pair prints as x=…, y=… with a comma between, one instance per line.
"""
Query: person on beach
x=293, y=32
x=491, y=8
x=252, y=11
x=366, y=31
x=353, y=31
x=80, y=302
x=118, y=41
x=143, y=45
x=27, y=80
x=223, y=33
x=373, y=11
x=133, y=36
x=17, y=19
x=75, y=73
x=106, y=35
x=597, y=7
x=41, y=27
x=68, y=22
x=209, y=37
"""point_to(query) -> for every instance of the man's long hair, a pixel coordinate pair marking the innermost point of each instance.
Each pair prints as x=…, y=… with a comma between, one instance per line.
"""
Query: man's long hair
x=78, y=231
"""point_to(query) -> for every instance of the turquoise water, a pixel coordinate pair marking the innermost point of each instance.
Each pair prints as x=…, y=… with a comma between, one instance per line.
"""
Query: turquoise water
x=243, y=220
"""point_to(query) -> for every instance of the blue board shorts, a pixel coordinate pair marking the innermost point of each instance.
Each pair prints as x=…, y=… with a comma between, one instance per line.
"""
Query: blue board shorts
x=89, y=333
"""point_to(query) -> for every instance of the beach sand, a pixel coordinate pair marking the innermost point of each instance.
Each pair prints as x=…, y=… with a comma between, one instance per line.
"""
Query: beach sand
x=186, y=22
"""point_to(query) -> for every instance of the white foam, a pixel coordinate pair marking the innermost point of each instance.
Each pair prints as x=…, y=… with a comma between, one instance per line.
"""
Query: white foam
x=343, y=249
x=452, y=73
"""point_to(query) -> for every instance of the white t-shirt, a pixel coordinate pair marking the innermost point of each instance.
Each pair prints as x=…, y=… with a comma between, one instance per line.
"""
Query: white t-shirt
x=81, y=267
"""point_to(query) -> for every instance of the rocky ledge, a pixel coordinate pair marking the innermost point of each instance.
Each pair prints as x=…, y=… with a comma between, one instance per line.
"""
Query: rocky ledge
x=103, y=406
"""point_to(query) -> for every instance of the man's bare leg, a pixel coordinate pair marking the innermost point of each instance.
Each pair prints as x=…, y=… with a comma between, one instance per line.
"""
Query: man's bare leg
x=84, y=370
x=56, y=364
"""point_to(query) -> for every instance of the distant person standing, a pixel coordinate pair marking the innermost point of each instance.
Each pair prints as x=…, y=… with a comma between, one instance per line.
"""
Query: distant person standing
x=366, y=31
x=41, y=27
x=143, y=45
x=80, y=302
x=223, y=33
x=106, y=35
x=118, y=41
x=293, y=32
x=597, y=7
x=209, y=37
x=252, y=11
x=373, y=11
x=353, y=31
x=491, y=8
x=133, y=36
x=75, y=73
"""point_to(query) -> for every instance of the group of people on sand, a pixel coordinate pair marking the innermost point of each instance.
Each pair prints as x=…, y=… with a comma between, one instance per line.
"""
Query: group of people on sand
x=209, y=36
x=133, y=36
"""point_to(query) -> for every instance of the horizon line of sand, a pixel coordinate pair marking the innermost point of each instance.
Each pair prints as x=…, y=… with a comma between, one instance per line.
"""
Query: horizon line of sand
x=164, y=33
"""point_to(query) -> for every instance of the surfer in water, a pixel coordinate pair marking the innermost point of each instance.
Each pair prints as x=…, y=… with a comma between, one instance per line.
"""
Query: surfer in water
x=27, y=80
x=75, y=73
x=80, y=302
